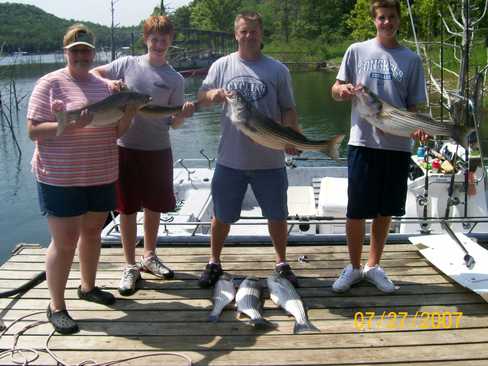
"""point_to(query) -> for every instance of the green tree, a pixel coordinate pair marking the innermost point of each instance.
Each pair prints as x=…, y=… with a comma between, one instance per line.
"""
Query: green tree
x=214, y=14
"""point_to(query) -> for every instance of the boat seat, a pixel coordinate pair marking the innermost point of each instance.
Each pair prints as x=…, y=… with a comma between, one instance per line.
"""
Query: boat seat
x=301, y=202
x=332, y=202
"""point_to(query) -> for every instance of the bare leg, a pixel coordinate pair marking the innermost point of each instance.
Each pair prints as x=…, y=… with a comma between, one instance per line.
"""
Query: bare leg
x=59, y=256
x=219, y=230
x=379, y=233
x=151, y=226
x=89, y=247
x=278, y=230
x=355, y=238
x=128, y=232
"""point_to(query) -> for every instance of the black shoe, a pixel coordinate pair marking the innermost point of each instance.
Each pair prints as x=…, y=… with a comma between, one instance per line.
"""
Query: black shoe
x=285, y=271
x=97, y=295
x=210, y=275
x=61, y=321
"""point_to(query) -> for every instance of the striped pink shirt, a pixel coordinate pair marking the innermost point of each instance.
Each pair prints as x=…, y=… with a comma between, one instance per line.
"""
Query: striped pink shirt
x=81, y=157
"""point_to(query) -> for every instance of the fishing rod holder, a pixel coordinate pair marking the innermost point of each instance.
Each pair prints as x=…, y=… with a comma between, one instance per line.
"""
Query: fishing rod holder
x=209, y=160
x=190, y=172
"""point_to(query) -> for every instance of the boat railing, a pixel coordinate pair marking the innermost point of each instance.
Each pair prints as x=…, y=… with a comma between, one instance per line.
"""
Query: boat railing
x=169, y=220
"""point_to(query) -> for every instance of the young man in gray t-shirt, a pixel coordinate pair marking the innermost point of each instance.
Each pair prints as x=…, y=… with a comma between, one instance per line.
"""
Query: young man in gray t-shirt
x=377, y=162
x=266, y=83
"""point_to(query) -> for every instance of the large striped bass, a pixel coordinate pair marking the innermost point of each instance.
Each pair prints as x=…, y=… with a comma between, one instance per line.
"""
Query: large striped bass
x=400, y=122
x=249, y=302
x=223, y=295
x=283, y=294
x=106, y=112
x=264, y=131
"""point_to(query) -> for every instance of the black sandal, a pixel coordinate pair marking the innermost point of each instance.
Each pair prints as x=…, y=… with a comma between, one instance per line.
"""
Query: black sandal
x=62, y=321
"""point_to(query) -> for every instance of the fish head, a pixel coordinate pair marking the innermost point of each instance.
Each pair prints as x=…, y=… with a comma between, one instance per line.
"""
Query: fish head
x=238, y=107
x=367, y=103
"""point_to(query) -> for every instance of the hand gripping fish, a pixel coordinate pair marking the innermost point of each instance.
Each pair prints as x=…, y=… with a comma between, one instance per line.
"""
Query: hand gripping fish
x=283, y=294
x=224, y=293
x=105, y=112
x=249, y=302
x=399, y=122
x=264, y=131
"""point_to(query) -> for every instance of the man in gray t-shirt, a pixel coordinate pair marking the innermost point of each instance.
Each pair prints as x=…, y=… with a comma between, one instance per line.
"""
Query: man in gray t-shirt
x=377, y=161
x=265, y=83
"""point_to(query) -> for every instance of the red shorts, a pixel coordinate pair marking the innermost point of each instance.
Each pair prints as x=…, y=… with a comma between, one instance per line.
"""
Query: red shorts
x=145, y=181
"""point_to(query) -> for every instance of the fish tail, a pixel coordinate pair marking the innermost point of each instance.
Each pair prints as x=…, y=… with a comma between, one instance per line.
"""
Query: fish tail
x=304, y=328
x=262, y=323
x=62, y=119
x=214, y=318
x=332, y=149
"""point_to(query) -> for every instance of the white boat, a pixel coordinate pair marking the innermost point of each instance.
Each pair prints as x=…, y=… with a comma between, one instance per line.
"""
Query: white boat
x=317, y=201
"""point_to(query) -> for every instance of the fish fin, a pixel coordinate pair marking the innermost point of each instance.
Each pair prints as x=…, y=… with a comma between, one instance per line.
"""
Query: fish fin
x=305, y=328
x=332, y=149
x=263, y=324
x=213, y=318
x=62, y=119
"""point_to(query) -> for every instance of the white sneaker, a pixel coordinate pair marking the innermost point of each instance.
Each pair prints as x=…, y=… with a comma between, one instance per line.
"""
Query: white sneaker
x=155, y=266
x=347, y=278
x=128, y=282
x=377, y=276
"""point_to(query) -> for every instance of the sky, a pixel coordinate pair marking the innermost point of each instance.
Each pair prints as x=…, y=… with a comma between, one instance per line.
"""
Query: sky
x=127, y=12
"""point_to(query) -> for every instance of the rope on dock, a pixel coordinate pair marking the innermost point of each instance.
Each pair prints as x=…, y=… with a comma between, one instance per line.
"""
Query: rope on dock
x=15, y=352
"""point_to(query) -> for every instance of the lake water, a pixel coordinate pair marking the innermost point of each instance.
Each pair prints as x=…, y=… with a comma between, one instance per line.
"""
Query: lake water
x=20, y=220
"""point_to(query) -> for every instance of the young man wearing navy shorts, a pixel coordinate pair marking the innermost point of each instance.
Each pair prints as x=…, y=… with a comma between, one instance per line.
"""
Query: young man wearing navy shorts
x=377, y=161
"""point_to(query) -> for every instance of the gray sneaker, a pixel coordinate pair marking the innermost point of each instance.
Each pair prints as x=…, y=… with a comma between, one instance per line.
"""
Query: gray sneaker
x=156, y=267
x=128, y=282
x=348, y=277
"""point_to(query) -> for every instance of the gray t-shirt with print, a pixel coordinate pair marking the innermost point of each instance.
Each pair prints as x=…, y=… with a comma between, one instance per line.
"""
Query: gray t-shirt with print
x=266, y=83
x=395, y=75
x=163, y=84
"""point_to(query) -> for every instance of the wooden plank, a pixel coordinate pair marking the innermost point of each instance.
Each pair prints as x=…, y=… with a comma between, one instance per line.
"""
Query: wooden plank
x=150, y=282
x=205, y=304
x=184, y=250
x=479, y=311
x=240, y=327
x=244, y=257
x=167, y=294
x=187, y=274
x=230, y=342
x=399, y=354
x=329, y=265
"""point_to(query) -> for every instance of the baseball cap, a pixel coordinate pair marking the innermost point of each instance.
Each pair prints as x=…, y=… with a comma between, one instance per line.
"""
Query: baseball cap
x=79, y=37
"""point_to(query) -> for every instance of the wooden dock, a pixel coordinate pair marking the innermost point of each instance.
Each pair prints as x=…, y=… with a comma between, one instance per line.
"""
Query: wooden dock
x=171, y=316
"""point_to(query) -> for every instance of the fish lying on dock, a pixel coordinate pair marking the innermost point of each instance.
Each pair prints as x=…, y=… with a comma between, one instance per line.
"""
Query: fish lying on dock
x=283, y=294
x=105, y=112
x=400, y=122
x=264, y=131
x=224, y=293
x=249, y=302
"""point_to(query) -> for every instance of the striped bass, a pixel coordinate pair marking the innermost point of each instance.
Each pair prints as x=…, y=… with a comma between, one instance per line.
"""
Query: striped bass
x=264, y=131
x=400, y=122
x=283, y=294
x=224, y=293
x=249, y=302
x=106, y=112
